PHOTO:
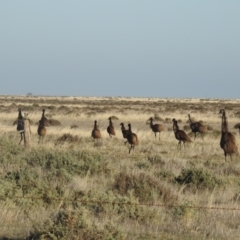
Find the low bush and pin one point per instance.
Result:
(67, 137)
(54, 122)
(143, 187)
(75, 223)
(198, 179)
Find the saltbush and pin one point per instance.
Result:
(144, 188)
(198, 179)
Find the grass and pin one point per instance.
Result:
(69, 188)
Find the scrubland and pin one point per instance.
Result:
(72, 188)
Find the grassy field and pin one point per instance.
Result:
(70, 188)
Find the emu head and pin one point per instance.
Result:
(222, 111)
(20, 114)
(175, 124)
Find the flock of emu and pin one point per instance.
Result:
(227, 141)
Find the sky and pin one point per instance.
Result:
(136, 48)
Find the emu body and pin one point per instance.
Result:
(96, 133)
(156, 128)
(42, 124)
(228, 140)
(197, 127)
(44, 120)
(110, 128)
(42, 131)
(180, 135)
(125, 131)
(20, 125)
(132, 138)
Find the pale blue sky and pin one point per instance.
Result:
(120, 48)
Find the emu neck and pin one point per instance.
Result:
(175, 127)
(130, 129)
(20, 115)
(224, 124)
(151, 122)
(110, 122)
(190, 121)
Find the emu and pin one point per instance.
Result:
(228, 140)
(132, 138)
(110, 128)
(44, 120)
(42, 131)
(125, 131)
(156, 127)
(96, 133)
(20, 125)
(42, 124)
(197, 127)
(180, 135)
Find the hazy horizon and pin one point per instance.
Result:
(163, 49)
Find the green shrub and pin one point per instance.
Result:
(35, 105)
(74, 224)
(110, 203)
(216, 133)
(184, 210)
(157, 117)
(79, 163)
(156, 160)
(144, 187)
(168, 120)
(73, 126)
(197, 179)
(142, 165)
(54, 122)
(67, 137)
(166, 175)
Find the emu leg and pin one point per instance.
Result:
(21, 134)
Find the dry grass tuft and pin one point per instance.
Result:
(114, 118)
(73, 126)
(54, 122)
(67, 137)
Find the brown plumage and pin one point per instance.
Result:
(110, 128)
(132, 138)
(42, 131)
(96, 133)
(180, 135)
(197, 127)
(20, 125)
(42, 124)
(156, 128)
(44, 120)
(125, 131)
(228, 140)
